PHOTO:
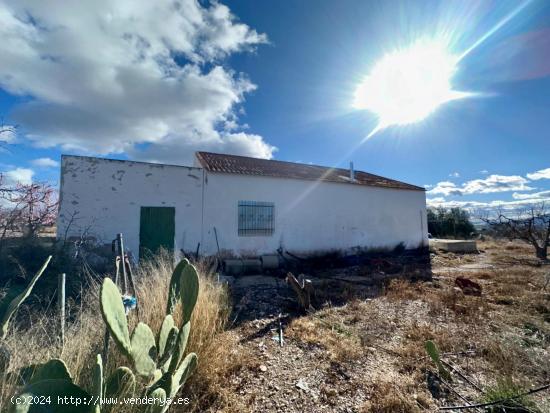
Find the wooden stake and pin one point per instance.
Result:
(61, 304)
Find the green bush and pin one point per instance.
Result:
(453, 222)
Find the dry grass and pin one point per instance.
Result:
(389, 397)
(84, 337)
(368, 354)
(331, 330)
(503, 333)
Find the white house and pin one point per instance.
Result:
(245, 206)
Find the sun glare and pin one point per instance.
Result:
(407, 85)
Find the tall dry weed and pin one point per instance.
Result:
(39, 342)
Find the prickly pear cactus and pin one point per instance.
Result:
(114, 315)
(189, 291)
(53, 390)
(433, 352)
(10, 304)
(179, 349)
(97, 390)
(159, 395)
(165, 328)
(52, 380)
(54, 369)
(161, 360)
(170, 345)
(184, 371)
(144, 350)
(121, 383)
(175, 286)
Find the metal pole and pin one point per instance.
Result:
(61, 304)
(120, 243)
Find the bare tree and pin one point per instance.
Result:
(531, 225)
(38, 205)
(26, 208)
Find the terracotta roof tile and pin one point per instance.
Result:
(232, 164)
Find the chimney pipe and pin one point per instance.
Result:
(351, 172)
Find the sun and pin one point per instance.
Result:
(406, 86)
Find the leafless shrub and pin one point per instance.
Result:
(25, 208)
(531, 225)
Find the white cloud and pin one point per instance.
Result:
(45, 163)
(491, 184)
(542, 174)
(141, 77)
(454, 175)
(496, 183)
(484, 171)
(486, 206)
(445, 188)
(435, 201)
(175, 151)
(535, 196)
(19, 176)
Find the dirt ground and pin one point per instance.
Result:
(362, 349)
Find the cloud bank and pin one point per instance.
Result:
(491, 184)
(542, 174)
(19, 176)
(141, 77)
(45, 163)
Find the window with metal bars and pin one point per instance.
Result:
(256, 218)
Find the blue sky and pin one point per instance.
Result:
(277, 79)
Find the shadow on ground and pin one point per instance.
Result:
(271, 297)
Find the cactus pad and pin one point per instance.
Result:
(158, 394)
(175, 286)
(52, 389)
(144, 350)
(121, 383)
(189, 291)
(187, 367)
(179, 349)
(433, 352)
(166, 355)
(113, 313)
(54, 369)
(167, 325)
(97, 382)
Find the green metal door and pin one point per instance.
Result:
(156, 230)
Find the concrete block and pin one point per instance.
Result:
(242, 266)
(454, 245)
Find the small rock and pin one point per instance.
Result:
(468, 286)
(263, 368)
(301, 384)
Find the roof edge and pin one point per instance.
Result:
(128, 160)
(206, 167)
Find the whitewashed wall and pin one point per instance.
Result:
(108, 194)
(311, 217)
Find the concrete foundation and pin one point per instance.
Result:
(453, 245)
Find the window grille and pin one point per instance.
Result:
(255, 218)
